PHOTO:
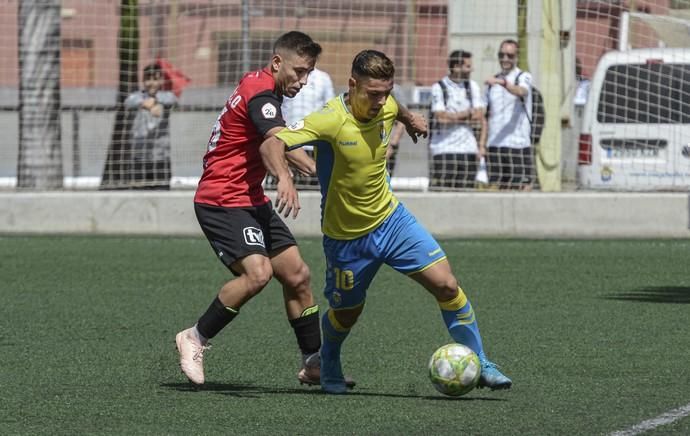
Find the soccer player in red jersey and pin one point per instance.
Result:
(238, 219)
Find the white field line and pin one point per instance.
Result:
(650, 424)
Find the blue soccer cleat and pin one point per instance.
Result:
(492, 378)
(332, 379)
(310, 373)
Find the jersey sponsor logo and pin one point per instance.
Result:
(297, 125)
(347, 143)
(253, 236)
(269, 111)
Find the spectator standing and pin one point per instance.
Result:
(456, 108)
(509, 106)
(150, 134)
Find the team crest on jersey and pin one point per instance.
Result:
(336, 299)
(385, 136)
(253, 236)
(269, 111)
(297, 125)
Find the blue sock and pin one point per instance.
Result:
(333, 336)
(462, 325)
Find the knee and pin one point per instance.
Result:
(446, 289)
(299, 278)
(259, 276)
(348, 317)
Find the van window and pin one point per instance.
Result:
(645, 94)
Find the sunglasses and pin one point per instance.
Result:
(502, 55)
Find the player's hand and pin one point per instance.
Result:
(416, 126)
(287, 199)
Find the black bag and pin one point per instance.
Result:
(434, 125)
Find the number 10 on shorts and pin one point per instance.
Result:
(344, 279)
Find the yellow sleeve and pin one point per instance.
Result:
(322, 125)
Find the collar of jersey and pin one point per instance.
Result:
(341, 97)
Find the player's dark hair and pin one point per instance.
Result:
(297, 42)
(152, 71)
(456, 57)
(373, 64)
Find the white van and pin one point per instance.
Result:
(636, 122)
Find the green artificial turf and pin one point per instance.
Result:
(594, 334)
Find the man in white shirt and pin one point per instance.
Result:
(312, 97)
(456, 109)
(509, 106)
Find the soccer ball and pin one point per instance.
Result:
(454, 369)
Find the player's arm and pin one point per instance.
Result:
(273, 155)
(396, 136)
(415, 123)
(299, 159)
(264, 111)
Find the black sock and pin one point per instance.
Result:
(308, 330)
(215, 318)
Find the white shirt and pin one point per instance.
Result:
(509, 124)
(454, 138)
(312, 97)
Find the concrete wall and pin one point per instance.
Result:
(515, 215)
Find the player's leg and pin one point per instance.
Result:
(460, 319)
(410, 249)
(245, 255)
(302, 313)
(293, 274)
(351, 265)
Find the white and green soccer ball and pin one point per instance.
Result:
(454, 369)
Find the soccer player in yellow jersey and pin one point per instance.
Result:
(363, 223)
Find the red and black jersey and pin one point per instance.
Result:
(233, 169)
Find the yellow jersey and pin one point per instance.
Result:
(351, 166)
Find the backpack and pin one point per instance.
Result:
(433, 123)
(538, 117)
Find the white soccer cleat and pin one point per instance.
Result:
(191, 355)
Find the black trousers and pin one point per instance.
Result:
(453, 170)
(510, 168)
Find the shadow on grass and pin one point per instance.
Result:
(654, 294)
(253, 391)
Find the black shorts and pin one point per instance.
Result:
(237, 232)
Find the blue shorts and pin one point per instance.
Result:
(400, 242)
